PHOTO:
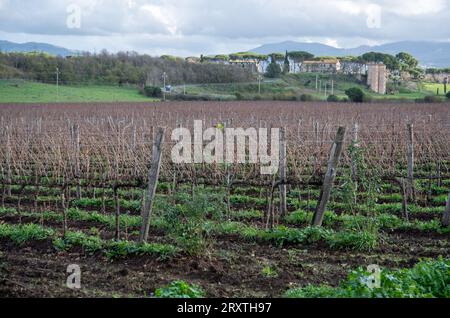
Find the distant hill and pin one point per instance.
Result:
(6, 46)
(430, 54)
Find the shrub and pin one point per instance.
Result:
(185, 219)
(180, 289)
(152, 91)
(430, 99)
(287, 96)
(239, 96)
(355, 94)
(202, 97)
(306, 98)
(448, 95)
(333, 99)
(367, 98)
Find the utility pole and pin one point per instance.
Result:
(317, 82)
(57, 83)
(260, 78)
(164, 88)
(332, 87)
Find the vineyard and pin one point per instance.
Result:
(95, 185)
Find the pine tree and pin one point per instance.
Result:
(286, 66)
(274, 69)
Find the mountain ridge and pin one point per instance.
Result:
(429, 54)
(28, 47)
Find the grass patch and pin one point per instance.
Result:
(180, 289)
(21, 234)
(31, 92)
(428, 279)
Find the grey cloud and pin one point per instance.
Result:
(208, 24)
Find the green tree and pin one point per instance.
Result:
(274, 69)
(391, 62)
(286, 65)
(355, 94)
(152, 91)
(333, 99)
(300, 56)
(116, 69)
(407, 61)
(279, 57)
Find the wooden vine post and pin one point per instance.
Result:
(446, 216)
(438, 173)
(117, 212)
(401, 182)
(330, 176)
(8, 161)
(353, 159)
(410, 154)
(65, 207)
(270, 215)
(283, 173)
(228, 178)
(75, 136)
(152, 184)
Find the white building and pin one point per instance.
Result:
(321, 66)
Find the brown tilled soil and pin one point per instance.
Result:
(230, 268)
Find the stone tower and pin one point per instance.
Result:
(377, 77)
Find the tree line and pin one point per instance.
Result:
(402, 62)
(143, 70)
(117, 69)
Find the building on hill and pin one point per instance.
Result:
(321, 66)
(193, 60)
(217, 59)
(377, 77)
(254, 65)
(353, 68)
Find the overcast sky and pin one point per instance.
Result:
(193, 27)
